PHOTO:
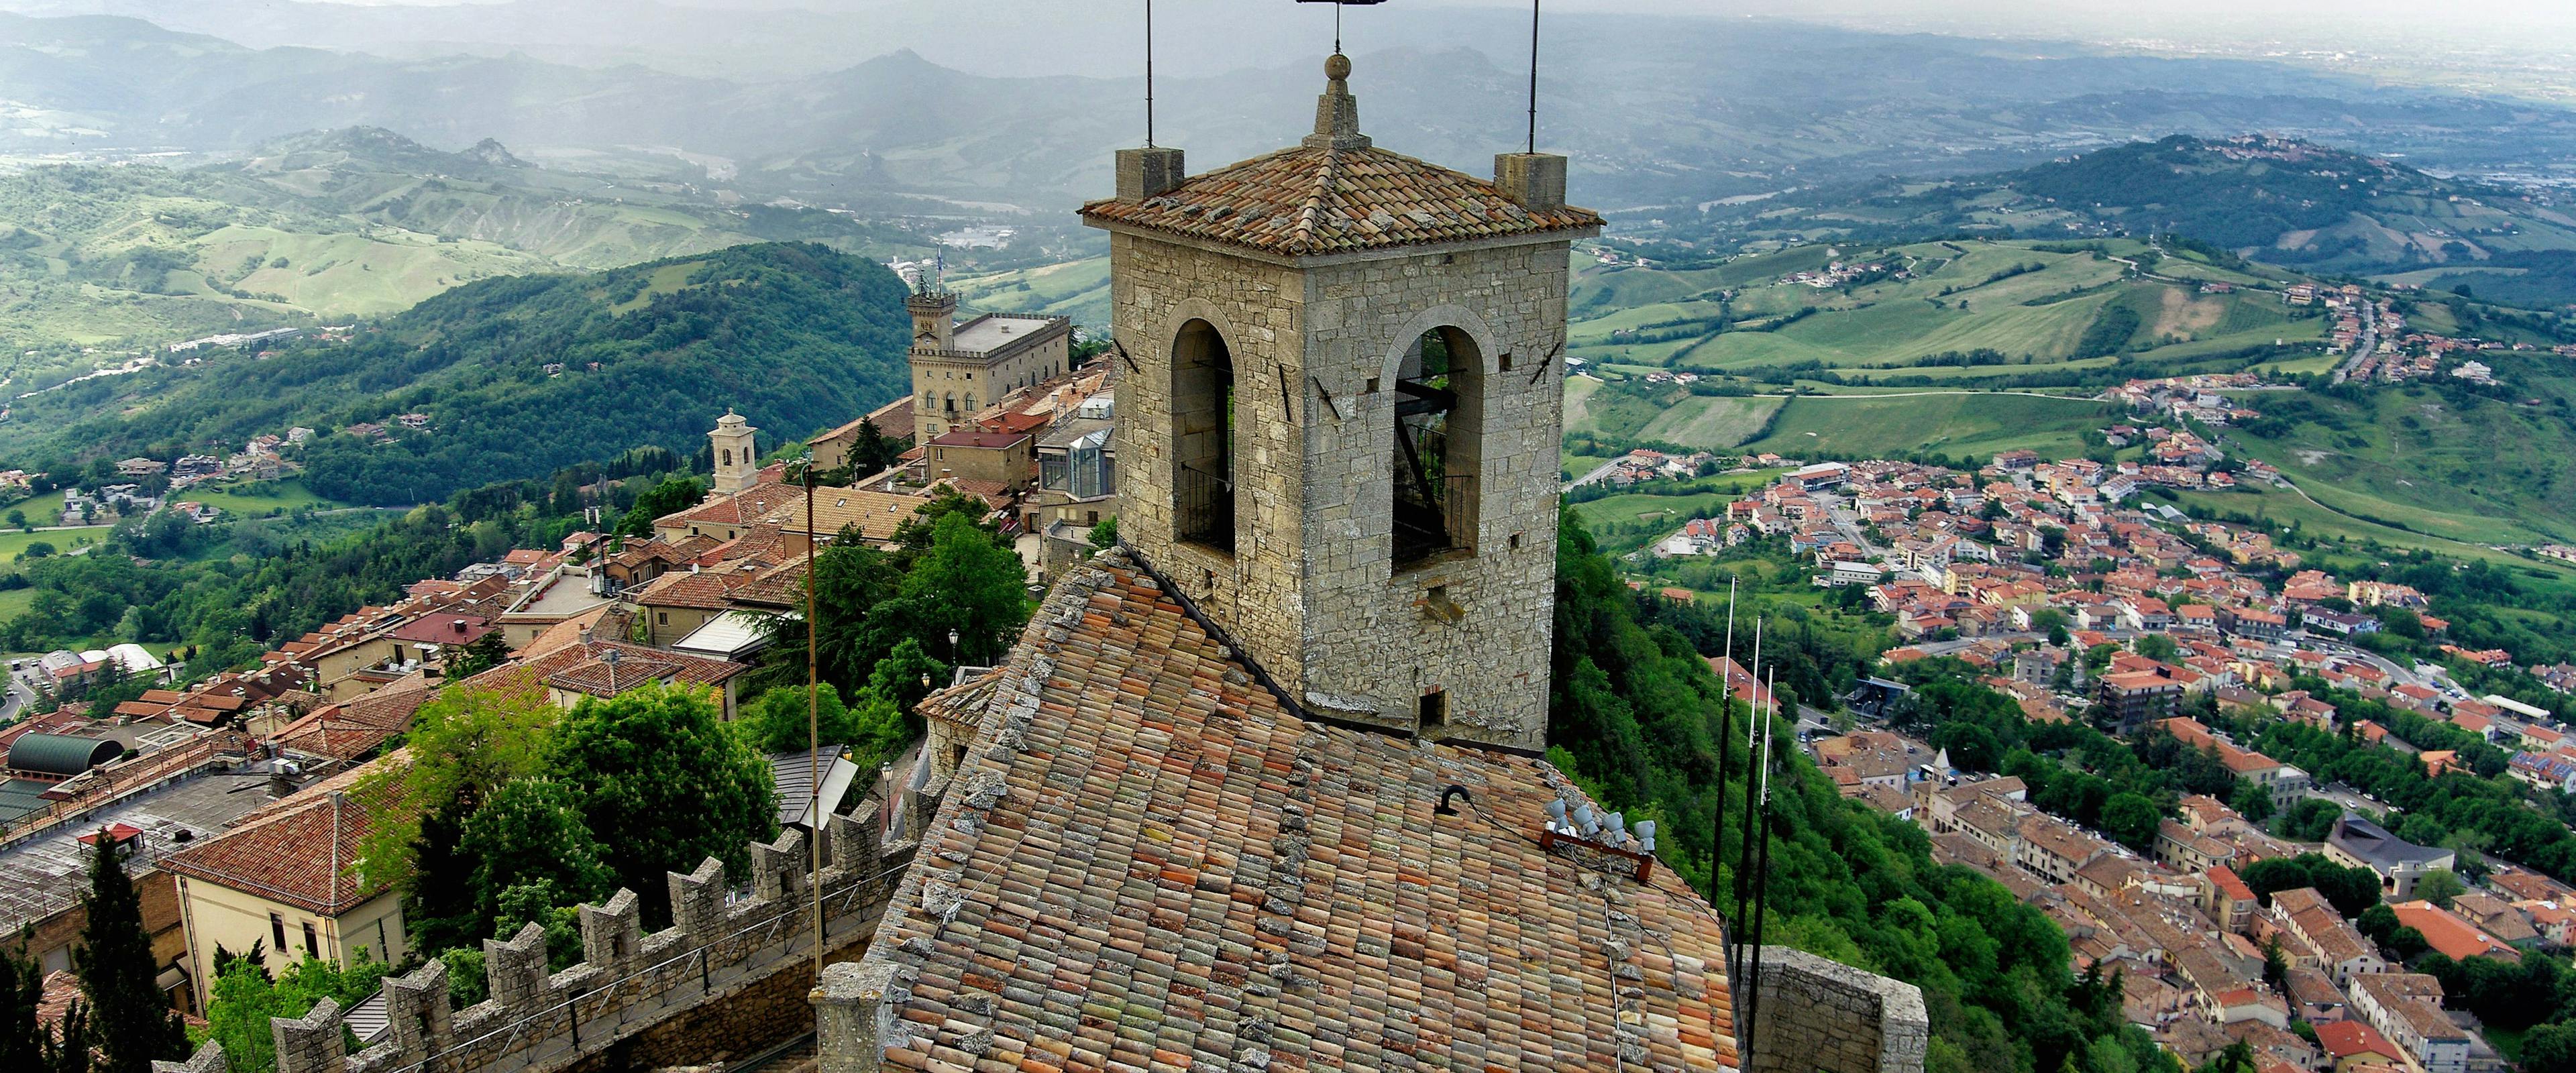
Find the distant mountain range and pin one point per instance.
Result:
(521, 376)
(356, 222)
(1655, 110)
(2287, 202)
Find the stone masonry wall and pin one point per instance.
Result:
(718, 970)
(1820, 1016)
(1311, 591)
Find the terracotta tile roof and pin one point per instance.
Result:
(1146, 837)
(353, 728)
(565, 667)
(741, 508)
(1336, 193)
(1313, 200)
(285, 852)
(876, 514)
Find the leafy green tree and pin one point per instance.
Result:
(117, 972)
(464, 747)
(243, 1000)
(901, 676)
(775, 721)
(2158, 647)
(972, 585)
(2550, 1048)
(670, 496)
(2130, 819)
(483, 654)
(2439, 886)
(2238, 1057)
(531, 833)
(663, 781)
(1104, 536)
(2406, 942)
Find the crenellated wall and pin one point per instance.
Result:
(628, 981)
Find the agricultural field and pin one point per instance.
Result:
(1076, 289)
(2024, 305)
(1959, 424)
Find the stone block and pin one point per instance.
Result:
(851, 1016)
(1149, 172)
(612, 936)
(697, 901)
(417, 1008)
(311, 1043)
(516, 970)
(779, 868)
(207, 1059)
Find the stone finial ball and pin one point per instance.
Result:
(1337, 67)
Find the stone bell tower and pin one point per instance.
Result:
(1338, 422)
(737, 459)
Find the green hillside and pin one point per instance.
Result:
(795, 336)
(326, 226)
(2017, 312)
(2279, 201)
(2440, 459)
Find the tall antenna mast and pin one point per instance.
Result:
(813, 723)
(1762, 886)
(1725, 739)
(1533, 100)
(1149, 74)
(1744, 843)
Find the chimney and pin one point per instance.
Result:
(1148, 172)
(1535, 180)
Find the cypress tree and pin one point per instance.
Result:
(133, 1022)
(21, 984)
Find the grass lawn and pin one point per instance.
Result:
(251, 499)
(13, 545)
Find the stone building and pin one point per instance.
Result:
(958, 369)
(1339, 432)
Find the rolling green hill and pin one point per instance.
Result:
(349, 223)
(2275, 200)
(795, 336)
(1995, 313)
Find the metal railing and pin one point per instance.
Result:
(1446, 522)
(1203, 505)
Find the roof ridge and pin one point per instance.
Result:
(1311, 212)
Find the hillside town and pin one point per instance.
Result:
(2060, 586)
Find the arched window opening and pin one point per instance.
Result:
(1439, 406)
(728, 456)
(1203, 437)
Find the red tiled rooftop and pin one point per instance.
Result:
(1138, 792)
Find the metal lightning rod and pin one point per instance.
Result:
(1533, 100)
(1149, 76)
